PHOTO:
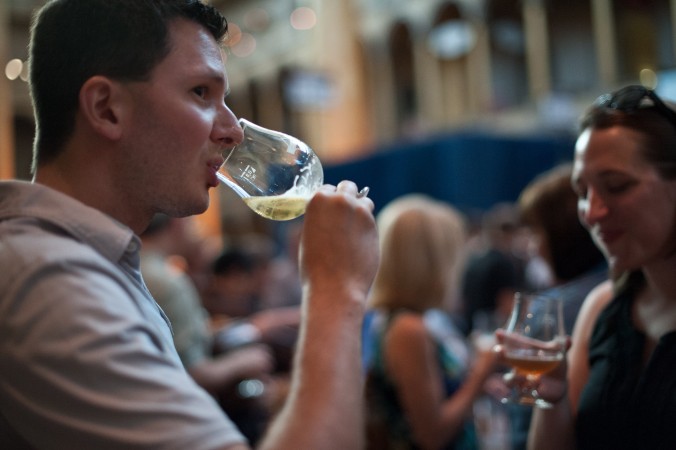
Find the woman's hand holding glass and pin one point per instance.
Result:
(534, 344)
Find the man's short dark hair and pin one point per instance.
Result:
(73, 40)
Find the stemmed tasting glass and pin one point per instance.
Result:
(274, 173)
(534, 344)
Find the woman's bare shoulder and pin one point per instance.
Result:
(578, 365)
(408, 324)
(596, 300)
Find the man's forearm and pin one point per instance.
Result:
(324, 407)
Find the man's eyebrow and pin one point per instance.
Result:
(216, 77)
(208, 72)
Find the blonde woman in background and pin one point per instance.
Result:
(421, 383)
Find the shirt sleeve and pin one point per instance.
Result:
(81, 366)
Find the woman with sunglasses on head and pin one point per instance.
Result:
(620, 388)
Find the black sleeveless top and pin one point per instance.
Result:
(625, 405)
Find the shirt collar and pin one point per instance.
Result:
(21, 199)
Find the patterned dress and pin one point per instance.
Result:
(388, 427)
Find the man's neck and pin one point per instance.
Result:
(92, 188)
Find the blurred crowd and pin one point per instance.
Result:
(235, 309)
(125, 327)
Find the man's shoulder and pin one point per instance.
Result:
(40, 222)
(33, 251)
(26, 241)
(36, 260)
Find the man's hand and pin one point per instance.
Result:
(339, 245)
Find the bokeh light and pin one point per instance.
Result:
(14, 68)
(234, 35)
(257, 19)
(245, 46)
(648, 78)
(303, 18)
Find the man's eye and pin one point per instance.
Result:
(201, 91)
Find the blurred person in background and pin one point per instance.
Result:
(233, 303)
(494, 271)
(219, 373)
(560, 239)
(421, 381)
(619, 389)
(236, 277)
(283, 282)
(131, 121)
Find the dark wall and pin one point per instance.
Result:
(470, 170)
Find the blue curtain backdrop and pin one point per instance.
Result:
(472, 171)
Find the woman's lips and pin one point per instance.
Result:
(608, 237)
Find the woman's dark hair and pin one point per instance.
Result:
(549, 204)
(73, 40)
(657, 133)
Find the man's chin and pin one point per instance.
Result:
(188, 210)
(198, 210)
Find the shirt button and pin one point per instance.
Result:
(132, 247)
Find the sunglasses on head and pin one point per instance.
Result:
(632, 98)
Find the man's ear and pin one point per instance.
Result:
(102, 106)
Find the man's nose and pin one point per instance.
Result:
(227, 131)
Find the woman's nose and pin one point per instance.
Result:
(592, 208)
